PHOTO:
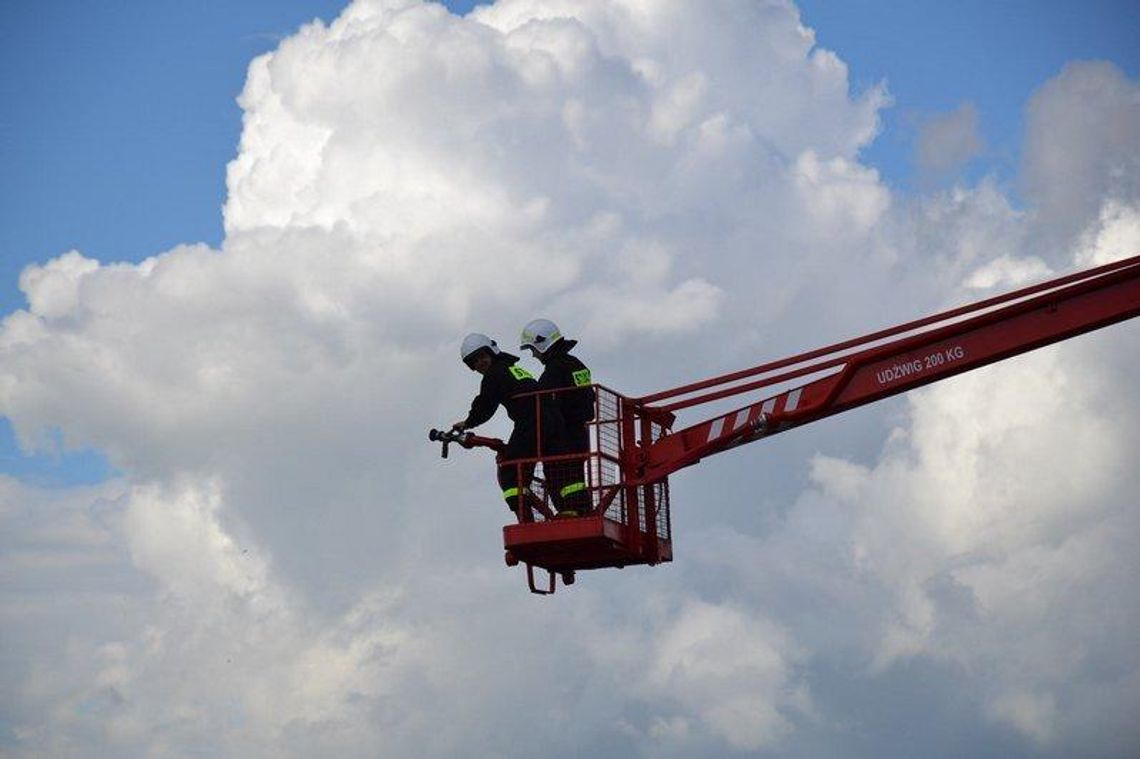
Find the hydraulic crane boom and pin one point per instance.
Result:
(634, 447)
(867, 369)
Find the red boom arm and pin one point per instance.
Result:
(866, 369)
(632, 452)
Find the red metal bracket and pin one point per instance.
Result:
(533, 588)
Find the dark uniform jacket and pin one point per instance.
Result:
(568, 375)
(501, 385)
(507, 384)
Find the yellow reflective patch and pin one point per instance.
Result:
(574, 487)
(582, 377)
(519, 373)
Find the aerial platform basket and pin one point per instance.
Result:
(625, 522)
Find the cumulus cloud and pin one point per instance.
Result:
(1082, 130)
(1003, 574)
(286, 567)
(1115, 234)
(731, 670)
(948, 141)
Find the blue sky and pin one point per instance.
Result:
(937, 55)
(121, 117)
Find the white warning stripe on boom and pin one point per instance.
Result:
(723, 424)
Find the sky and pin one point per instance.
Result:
(241, 244)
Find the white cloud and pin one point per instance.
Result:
(1115, 235)
(51, 290)
(1033, 715)
(286, 567)
(1009, 273)
(731, 670)
(1081, 147)
(948, 141)
(991, 516)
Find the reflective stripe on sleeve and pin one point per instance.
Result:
(573, 487)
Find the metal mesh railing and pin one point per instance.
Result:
(602, 468)
(605, 474)
(604, 471)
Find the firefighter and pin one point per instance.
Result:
(564, 373)
(504, 381)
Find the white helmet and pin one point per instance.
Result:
(476, 342)
(540, 334)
